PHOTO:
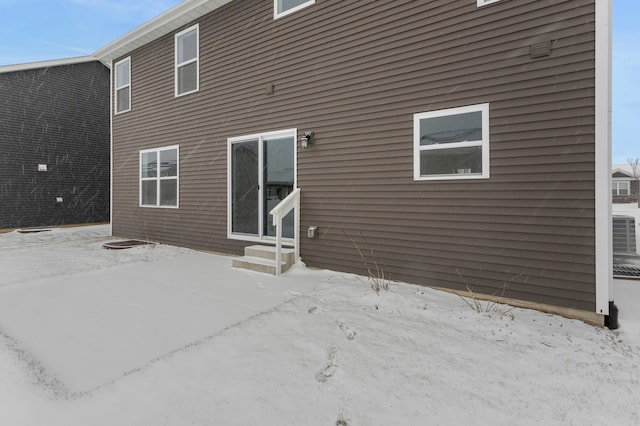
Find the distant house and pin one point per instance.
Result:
(54, 143)
(626, 220)
(455, 141)
(624, 186)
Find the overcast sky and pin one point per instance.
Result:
(38, 30)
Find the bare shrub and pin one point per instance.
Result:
(492, 305)
(375, 272)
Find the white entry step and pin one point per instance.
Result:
(263, 259)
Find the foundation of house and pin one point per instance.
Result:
(585, 316)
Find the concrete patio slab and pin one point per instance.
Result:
(114, 321)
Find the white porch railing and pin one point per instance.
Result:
(292, 201)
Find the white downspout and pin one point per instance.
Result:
(604, 250)
(111, 149)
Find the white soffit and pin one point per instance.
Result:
(169, 21)
(46, 64)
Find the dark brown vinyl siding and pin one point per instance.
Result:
(355, 72)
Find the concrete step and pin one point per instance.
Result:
(259, 264)
(269, 252)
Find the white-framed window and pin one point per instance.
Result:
(285, 7)
(123, 85)
(486, 2)
(159, 177)
(451, 143)
(187, 48)
(620, 187)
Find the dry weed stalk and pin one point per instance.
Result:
(491, 305)
(376, 275)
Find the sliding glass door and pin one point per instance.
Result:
(261, 174)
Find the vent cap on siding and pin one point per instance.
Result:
(540, 49)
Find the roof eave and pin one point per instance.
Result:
(169, 21)
(623, 171)
(46, 64)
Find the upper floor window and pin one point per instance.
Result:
(187, 61)
(159, 174)
(123, 85)
(485, 2)
(451, 143)
(284, 7)
(620, 187)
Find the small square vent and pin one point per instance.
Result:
(540, 49)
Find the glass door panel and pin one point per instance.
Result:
(245, 187)
(278, 180)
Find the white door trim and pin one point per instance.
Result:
(261, 238)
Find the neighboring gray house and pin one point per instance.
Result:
(624, 186)
(449, 138)
(54, 143)
(626, 221)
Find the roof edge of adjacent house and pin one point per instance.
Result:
(159, 26)
(46, 64)
(622, 168)
(624, 172)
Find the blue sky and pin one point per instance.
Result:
(626, 87)
(38, 30)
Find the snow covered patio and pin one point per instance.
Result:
(116, 320)
(159, 335)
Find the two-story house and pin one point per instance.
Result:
(464, 138)
(626, 221)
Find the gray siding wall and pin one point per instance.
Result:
(58, 116)
(355, 72)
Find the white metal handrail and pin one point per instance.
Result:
(292, 201)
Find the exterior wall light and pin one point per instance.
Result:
(306, 139)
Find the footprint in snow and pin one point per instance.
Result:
(349, 332)
(331, 366)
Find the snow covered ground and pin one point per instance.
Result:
(158, 335)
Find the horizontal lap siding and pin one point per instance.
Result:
(57, 116)
(355, 73)
(533, 218)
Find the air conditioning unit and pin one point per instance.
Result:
(624, 235)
